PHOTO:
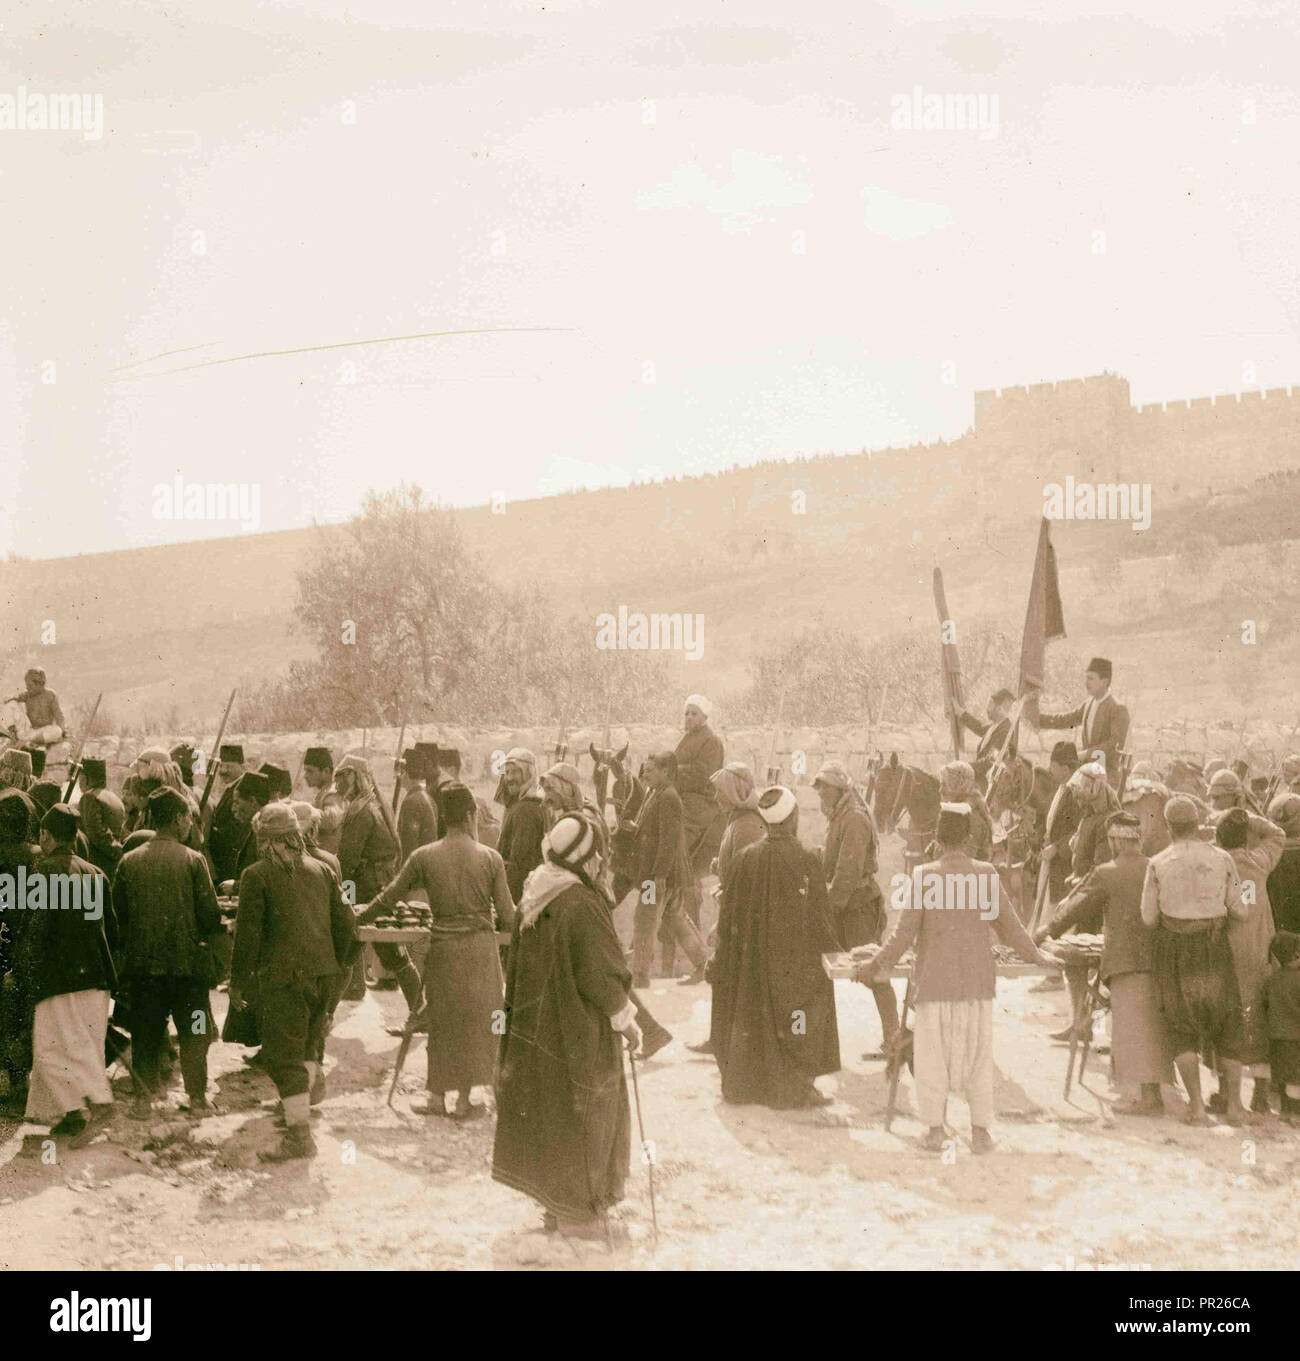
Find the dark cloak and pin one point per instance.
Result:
(563, 1125)
(771, 937)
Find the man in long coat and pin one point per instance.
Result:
(524, 824)
(779, 1032)
(563, 1123)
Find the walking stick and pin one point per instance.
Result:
(647, 1148)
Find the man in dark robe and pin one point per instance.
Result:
(780, 1030)
(699, 757)
(524, 824)
(563, 1124)
(224, 835)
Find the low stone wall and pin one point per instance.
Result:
(799, 752)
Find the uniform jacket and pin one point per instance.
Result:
(417, 821)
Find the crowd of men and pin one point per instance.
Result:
(247, 888)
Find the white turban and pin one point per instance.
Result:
(700, 703)
(775, 804)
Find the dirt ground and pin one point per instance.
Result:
(736, 1186)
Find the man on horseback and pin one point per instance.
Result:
(992, 734)
(699, 756)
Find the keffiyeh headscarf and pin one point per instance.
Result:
(956, 780)
(735, 785)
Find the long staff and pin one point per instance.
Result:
(647, 1148)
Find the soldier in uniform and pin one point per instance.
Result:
(224, 837)
(417, 818)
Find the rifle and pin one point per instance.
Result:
(1277, 779)
(561, 742)
(951, 667)
(74, 766)
(216, 752)
(1013, 728)
(399, 768)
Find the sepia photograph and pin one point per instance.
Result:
(650, 638)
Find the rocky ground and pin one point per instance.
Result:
(736, 1186)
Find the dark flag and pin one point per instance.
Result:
(951, 667)
(1043, 620)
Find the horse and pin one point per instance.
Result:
(906, 789)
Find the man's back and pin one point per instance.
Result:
(1191, 879)
(166, 903)
(286, 923)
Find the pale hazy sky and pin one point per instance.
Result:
(505, 170)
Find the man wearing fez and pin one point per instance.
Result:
(318, 775)
(93, 775)
(278, 780)
(1101, 721)
(167, 912)
(224, 837)
(252, 794)
(183, 755)
(72, 976)
(16, 769)
(417, 818)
